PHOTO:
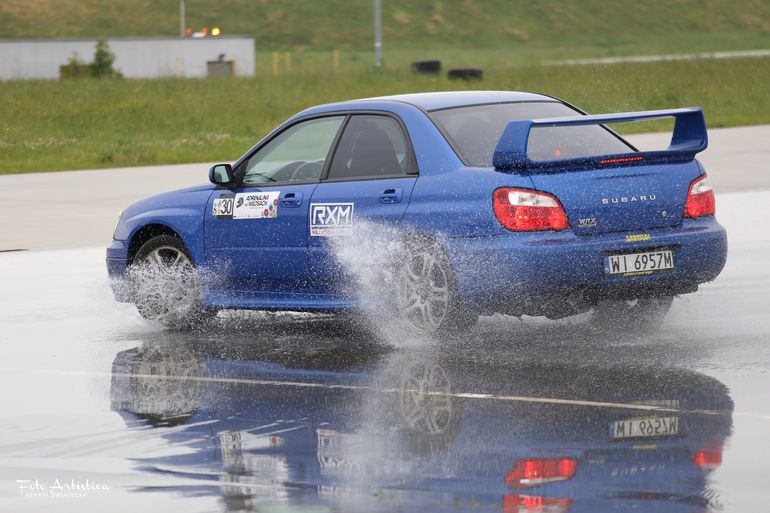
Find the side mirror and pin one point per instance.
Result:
(221, 174)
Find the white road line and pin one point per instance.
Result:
(659, 58)
(302, 384)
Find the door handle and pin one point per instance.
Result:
(291, 199)
(392, 195)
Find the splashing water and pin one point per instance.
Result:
(170, 295)
(371, 264)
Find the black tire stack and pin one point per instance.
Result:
(466, 74)
(432, 67)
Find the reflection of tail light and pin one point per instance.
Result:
(532, 504)
(535, 472)
(709, 458)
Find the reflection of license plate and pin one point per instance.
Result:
(633, 264)
(644, 428)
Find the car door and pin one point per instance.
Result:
(368, 184)
(256, 233)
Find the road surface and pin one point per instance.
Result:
(277, 412)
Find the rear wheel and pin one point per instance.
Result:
(426, 295)
(631, 314)
(165, 284)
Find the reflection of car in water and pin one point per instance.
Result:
(322, 424)
(139, 373)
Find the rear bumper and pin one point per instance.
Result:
(518, 271)
(117, 270)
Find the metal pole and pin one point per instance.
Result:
(377, 33)
(181, 18)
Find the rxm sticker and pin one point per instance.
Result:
(331, 219)
(256, 205)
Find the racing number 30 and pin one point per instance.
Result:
(222, 207)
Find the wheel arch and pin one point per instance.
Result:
(422, 238)
(146, 233)
(412, 237)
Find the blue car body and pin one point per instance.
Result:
(277, 264)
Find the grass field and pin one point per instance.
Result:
(52, 125)
(619, 26)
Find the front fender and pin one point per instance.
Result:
(187, 223)
(180, 211)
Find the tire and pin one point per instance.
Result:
(427, 299)
(630, 315)
(165, 285)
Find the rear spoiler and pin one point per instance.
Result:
(689, 137)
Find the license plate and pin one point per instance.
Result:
(644, 428)
(635, 264)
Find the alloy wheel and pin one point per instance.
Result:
(423, 295)
(165, 285)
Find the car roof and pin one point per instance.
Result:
(449, 99)
(429, 101)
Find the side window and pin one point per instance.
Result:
(371, 146)
(295, 155)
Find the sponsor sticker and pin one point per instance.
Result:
(223, 206)
(256, 205)
(331, 219)
(638, 237)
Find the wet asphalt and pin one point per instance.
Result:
(102, 411)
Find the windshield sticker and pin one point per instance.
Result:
(256, 205)
(331, 219)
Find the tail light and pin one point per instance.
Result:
(700, 198)
(535, 472)
(534, 504)
(524, 210)
(709, 457)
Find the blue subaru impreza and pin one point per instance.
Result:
(504, 202)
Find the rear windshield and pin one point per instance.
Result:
(475, 130)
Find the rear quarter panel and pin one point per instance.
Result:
(459, 203)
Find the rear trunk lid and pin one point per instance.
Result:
(620, 199)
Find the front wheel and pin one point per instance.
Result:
(426, 295)
(165, 284)
(631, 314)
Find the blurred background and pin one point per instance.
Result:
(110, 83)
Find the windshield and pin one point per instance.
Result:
(474, 131)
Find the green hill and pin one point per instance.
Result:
(626, 26)
(91, 123)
